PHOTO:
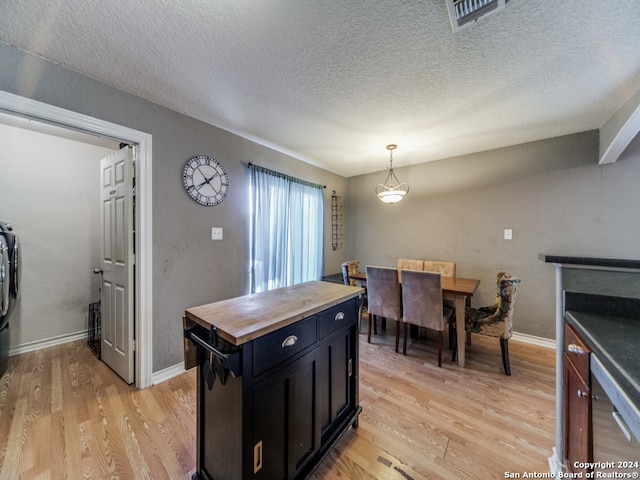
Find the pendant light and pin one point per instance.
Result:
(391, 191)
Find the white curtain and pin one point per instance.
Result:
(286, 230)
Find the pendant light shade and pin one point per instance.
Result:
(391, 191)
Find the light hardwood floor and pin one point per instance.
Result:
(65, 415)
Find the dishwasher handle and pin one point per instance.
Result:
(626, 431)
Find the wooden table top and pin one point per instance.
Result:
(242, 319)
(454, 285)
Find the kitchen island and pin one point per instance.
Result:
(277, 379)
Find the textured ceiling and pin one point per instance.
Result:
(332, 83)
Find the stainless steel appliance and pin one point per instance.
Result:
(616, 424)
(9, 286)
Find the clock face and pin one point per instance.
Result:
(205, 180)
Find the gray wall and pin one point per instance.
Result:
(188, 267)
(552, 193)
(49, 192)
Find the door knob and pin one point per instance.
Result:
(97, 270)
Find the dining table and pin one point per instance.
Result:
(456, 289)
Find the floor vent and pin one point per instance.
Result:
(464, 13)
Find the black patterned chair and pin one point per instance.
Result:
(349, 268)
(496, 320)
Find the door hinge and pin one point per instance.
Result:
(133, 345)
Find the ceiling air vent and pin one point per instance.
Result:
(464, 13)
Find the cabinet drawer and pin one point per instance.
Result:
(576, 351)
(335, 318)
(277, 346)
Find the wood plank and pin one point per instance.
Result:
(64, 414)
(242, 319)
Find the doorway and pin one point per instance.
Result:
(24, 107)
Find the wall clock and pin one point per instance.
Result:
(205, 180)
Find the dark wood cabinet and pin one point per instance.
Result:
(296, 394)
(284, 420)
(578, 448)
(338, 379)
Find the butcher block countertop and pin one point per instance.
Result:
(242, 319)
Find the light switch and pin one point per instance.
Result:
(508, 234)
(216, 233)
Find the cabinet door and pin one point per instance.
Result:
(284, 420)
(577, 418)
(336, 397)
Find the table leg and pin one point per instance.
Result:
(460, 330)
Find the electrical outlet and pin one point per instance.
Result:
(216, 233)
(508, 234)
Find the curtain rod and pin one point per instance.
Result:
(284, 175)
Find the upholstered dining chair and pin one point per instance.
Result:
(350, 268)
(408, 264)
(383, 292)
(422, 304)
(496, 320)
(448, 269)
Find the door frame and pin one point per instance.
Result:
(22, 106)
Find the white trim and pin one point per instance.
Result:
(144, 268)
(555, 465)
(618, 132)
(48, 342)
(167, 373)
(533, 340)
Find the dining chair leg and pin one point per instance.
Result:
(440, 348)
(504, 346)
(404, 345)
(369, 333)
(375, 324)
(454, 352)
(451, 335)
(397, 335)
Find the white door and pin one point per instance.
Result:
(117, 205)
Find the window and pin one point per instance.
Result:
(286, 230)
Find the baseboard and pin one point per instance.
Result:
(533, 340)
(167, 373)
(156, 377)
(555, 465)
(49, 342)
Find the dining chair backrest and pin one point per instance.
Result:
(383, 292)
(422, 299)
(350, 268)
(448, 269)
(507, 289)
(408, 264)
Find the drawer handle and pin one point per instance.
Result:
(290, 341)
(339, 316)
(577, 349)
(257, 457)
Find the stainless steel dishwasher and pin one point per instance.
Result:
(616, 425)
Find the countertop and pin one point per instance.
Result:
(242, 319)
(590, 261)
(615, 341)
